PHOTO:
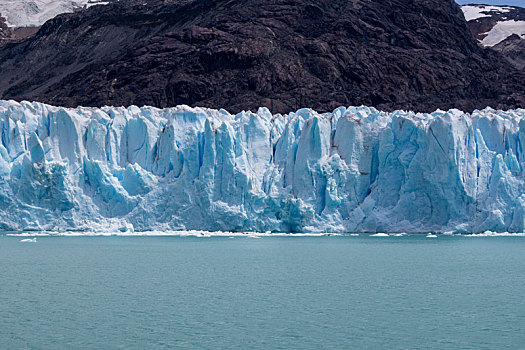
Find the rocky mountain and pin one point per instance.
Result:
(5, 31)
(514, 50)
(242, 54)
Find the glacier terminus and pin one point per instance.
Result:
(356, 169)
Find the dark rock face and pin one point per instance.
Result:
(513, 48)
(242, 54)
(5, 31)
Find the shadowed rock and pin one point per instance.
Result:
(5, 32)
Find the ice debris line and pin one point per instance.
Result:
(353, 170)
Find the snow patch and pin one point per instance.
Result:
(34, 13)
(473, 12)
(502, 30)
(90, 4)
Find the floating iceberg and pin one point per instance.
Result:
(353, 170)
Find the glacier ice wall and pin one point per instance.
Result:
(353, 170)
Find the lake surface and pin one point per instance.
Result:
(449, 292)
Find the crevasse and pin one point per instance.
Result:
(353, 170)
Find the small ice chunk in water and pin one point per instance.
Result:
(400, 234)
(379, 234)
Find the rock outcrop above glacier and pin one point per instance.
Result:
(243, 54)
(356, 169)
(5, 31)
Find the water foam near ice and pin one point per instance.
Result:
(354, 170)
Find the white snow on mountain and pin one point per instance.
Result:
(502, 30)
(473, 12)
(34, 13)
(353, 170)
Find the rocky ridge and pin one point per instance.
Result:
(5, 31)
(514, 50)
(243, 54)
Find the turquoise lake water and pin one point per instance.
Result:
(345, 292)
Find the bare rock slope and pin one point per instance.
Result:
(242, 54)
(5, 31)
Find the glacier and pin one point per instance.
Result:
(356, 169)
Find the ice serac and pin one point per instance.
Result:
(353, 170)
